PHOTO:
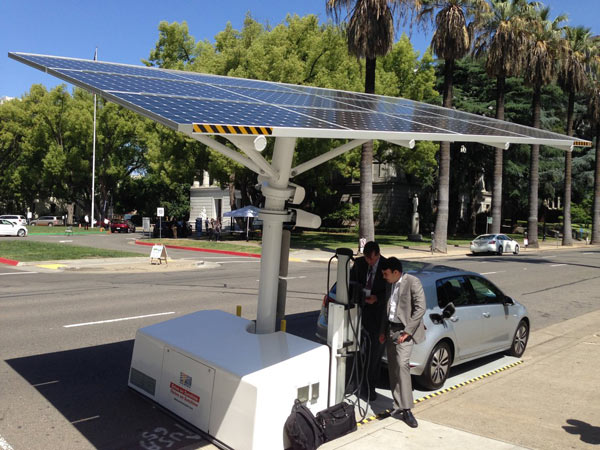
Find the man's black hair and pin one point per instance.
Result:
(371, 247)
(392, 263)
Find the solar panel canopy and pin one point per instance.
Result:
(210, 104)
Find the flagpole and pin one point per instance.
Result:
(94, 154)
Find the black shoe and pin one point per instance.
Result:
(409, 419)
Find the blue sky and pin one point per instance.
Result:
(126, 30)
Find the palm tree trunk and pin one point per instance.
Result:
(366, 223)
(498, 161)
(534, 176)
(596, 212)
(567, 231)
(441, 222)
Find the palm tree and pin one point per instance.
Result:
(594, 113)
(501, 39)
(451, 41)
(543, 49)
(573, 78)
(370, 34)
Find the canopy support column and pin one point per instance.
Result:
(276, 192)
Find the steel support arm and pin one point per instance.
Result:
(301, 168)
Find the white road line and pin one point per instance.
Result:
(117, 320)
(237, 260)
(4, 445)
(589, 253)
(46, 383)
(16, 273)
(551, 256)
(86, 419)
(557, 265)
(490, 273)
(292, 278)
(65, 241)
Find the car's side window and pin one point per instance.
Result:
(452, 290)
(485, 292)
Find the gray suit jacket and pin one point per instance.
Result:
(410, 308)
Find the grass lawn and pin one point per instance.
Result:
(22, 250)
(60, 230)
(230, 246)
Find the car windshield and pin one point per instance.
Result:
(485, 237)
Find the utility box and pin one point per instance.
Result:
(210, 369)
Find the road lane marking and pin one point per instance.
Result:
(51, 266)
(16, 273)
(85, 420)
(589, 253)
(490, 273)
(117, 320)
(4, 445)
(46, 383)
(557, 265)
(292, 278)
(65, 241)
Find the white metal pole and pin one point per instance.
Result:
(273, 215)
(94, 154)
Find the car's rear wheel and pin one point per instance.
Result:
(438, 365)
(520, 340)
(516, 251)
(500, 250)
(21, 233)
(49, 224)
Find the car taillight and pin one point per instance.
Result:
(492, 242)
(326, 300)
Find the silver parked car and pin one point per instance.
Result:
(8, 228)
(494, 243)
(467, 317)
(49, 221)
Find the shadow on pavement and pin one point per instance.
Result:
(88, 386)
(589, 433)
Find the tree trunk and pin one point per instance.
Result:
(567, 230)
(498, 162)
(596, 211)
(534, 176)
(366, 223)
(441, 222)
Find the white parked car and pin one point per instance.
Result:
(494, 243)
(14, 218)
(8, 228)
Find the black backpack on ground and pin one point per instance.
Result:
(302, 428)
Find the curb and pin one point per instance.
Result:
(10, 262)
(207, 250)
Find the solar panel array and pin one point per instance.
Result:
(227, 105)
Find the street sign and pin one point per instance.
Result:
(160, 212)
(489, 220)
(158, 252)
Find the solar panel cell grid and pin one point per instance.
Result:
(179, 98)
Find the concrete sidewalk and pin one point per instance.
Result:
(551, 401)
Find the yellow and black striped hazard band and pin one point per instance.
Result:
(582, 144)
(230, 129)
(388, 412)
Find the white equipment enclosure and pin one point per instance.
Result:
(211, 368)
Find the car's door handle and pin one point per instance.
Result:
(487, 315)
(454, 319)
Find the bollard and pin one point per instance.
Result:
(238, 310)
(283, 325)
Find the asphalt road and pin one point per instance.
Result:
(66, 338)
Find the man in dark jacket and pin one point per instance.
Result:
(367, 272)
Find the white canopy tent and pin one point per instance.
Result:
(247, 211)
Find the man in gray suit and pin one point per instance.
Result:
(401, 328)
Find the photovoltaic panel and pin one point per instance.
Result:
(218, 104)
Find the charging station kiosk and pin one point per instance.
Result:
(212, 370)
